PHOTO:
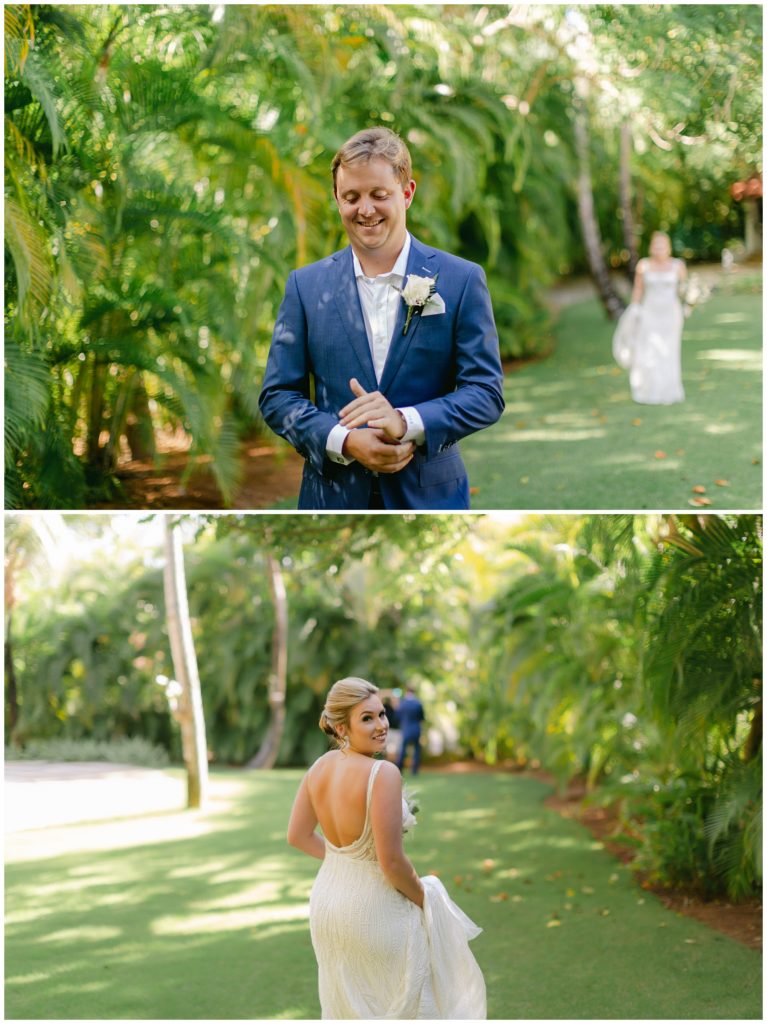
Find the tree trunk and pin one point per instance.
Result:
(189, 713)
(753, 742)
(139, 429)
(96, 413)
(589, 226)
(267, 754)
(11, 687)
(629, 231)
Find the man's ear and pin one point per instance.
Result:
(409, 191)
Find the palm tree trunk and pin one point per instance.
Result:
(139, 429)
(629, 231)
(189, 712)
(270, 747)
(753, 742)
(96, 412)
(589, 226)
(11, 687)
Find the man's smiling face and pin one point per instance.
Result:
(373, 203)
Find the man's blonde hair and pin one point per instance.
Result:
(373, 142)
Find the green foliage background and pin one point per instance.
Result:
(166, 167)
(625, 650)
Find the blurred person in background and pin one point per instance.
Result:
(410, 712)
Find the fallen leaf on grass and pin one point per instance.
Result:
(520, 424)
(691, 942)
(699, 489)
(587, 890)
(517, 899)
(722, 483)
(554, 923)
(488, 864)
(604, 912)
(700, 501)
(500, 897)
(640, 901)
(570, 893)
(755, 462)
(636, 423)
(458, 879)
(474, 490)
(524, 479)
(614, 878)
(661, 455)
(568, 906)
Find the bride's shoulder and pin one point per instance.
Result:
(389, 771)
(322, 762)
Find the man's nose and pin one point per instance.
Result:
(367, 206)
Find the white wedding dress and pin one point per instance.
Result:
(379, 956)
(648, 340)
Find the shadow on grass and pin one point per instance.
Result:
(215, 924)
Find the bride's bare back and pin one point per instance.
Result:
(337, 785)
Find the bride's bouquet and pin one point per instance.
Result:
(411, 800)
(692, 293)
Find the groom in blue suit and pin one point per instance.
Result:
(385, 354)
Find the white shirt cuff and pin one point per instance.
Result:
(416, 431)
(334, 446)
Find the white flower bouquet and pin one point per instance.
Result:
(692, 293)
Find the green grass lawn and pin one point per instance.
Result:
(571, 437)
(204, 915)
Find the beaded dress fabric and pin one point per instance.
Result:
(380, 956)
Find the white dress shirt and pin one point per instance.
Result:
(380, 300)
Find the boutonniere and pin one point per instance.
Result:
(416, 293)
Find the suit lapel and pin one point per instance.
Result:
(421, 261)
(348, 302)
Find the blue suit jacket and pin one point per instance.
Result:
(447, 366)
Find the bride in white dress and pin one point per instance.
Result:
(388, 944)
(648, 339)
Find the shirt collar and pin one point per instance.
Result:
(400, 265)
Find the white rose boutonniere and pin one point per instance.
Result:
(416, 293)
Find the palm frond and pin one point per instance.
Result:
(31, 261)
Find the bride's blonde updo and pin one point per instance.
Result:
(343, 696)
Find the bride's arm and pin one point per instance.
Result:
(638, 292)
(302, 825)
(386, 819)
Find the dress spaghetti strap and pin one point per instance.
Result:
(371, 780)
